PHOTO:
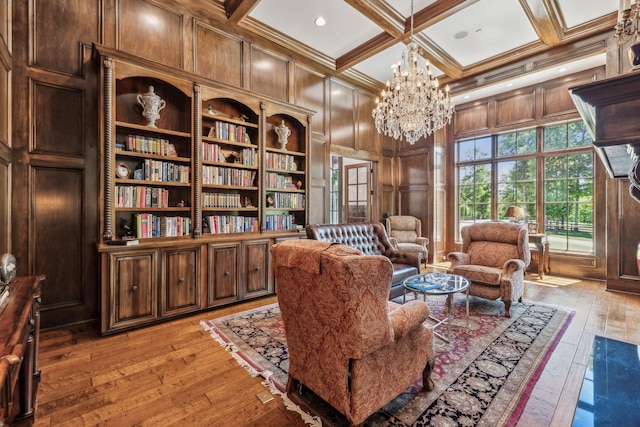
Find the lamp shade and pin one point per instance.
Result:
(514, 212)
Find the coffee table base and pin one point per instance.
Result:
(447, 319)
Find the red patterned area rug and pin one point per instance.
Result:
(483, 377)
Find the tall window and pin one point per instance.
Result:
(334, 191)
(497, 171)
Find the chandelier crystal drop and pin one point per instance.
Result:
(412, 104)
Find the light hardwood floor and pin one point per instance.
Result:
(174, 374)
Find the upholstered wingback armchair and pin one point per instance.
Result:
(347, 343)
(494, 257)
(405, 234)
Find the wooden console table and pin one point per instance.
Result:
(542, 244)
(19, 337)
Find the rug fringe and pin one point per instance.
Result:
(288, 403)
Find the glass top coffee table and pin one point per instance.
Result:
(438, 284)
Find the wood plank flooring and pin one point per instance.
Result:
(174, 374)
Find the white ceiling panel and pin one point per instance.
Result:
(576, 12)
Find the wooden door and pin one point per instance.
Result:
(357, 193)
(132, 299)
(180, 281)
(256, 269)
(223, 273)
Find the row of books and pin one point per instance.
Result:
(148, 145)
(275, 180)
(280, 161)
(218, 175)
(223, 224)
(279, 222)
(148, 225)
(130, 196)
(157, 170)
(228, 132)
(288, 200)
(221, 200)
(213, 152)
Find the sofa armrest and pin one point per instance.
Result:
(422, 241)
(458, 258)
(394, 242)
(511, 266)
(408, 316)
(408, 258)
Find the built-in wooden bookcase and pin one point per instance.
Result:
(204, 191)
(152, 191)
(285, 177)
(230, 167)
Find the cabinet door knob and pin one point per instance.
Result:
(181, 280)
(257, 268)
(226, 273)
(134, 288)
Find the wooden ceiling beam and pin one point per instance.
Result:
(545, 20)
(380, 14)
(237, 10)
(366, 50)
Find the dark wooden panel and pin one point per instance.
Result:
(515, 109)
(181, 281)
(72, 22)
(414, 170)
(5, 105)
(366, 130)
(151, 31)
(629, 234)
(5, 19)
(5, 207)
(318, 158)
(223, 273)
(218, 56)
(310, 94)
(557, 100)
(386, 171)
(58, 120)
(57, 233)
(416, 202)
(471, 119)
(256, 271)
(342, 127)
(269, 74)
(319, 207)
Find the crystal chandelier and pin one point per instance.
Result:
(412, 104)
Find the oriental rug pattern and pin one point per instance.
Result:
(484, 376)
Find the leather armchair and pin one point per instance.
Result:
(347, 343)
(405, 235)
(494, 257)
(370, 238)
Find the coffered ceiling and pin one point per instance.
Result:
(463, 39)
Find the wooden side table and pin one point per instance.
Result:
(542, 244)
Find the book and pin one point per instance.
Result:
(123, 242)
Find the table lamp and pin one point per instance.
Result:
(514, 212)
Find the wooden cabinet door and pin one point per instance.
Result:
(256, 269)
(223, 273)
(181, 288)
(132, 290)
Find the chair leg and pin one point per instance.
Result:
(293, 385)
(507, 308)
(427, 382)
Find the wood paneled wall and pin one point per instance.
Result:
(5, 125)
(55, 168)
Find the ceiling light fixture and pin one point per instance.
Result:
(412, 104)
(319, 21)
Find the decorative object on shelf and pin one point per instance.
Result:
(412, 104)
(247, 138)
(234, 157)
(125, 229)
(152, 104)
(7, 268)
(514, 212)
(270, 201)
(122, 170)
(181, 204)
(243, 117)
(533, 228)
(627, 28)
(283, 133)
(299, 185)
(213, 112)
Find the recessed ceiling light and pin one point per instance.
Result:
(319, 21)
(509, 84)
(466, 97)
(562, 70)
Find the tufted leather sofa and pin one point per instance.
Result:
(371, 239)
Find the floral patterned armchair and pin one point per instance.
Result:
(405, 234)
(494, 257)
(347, 343)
